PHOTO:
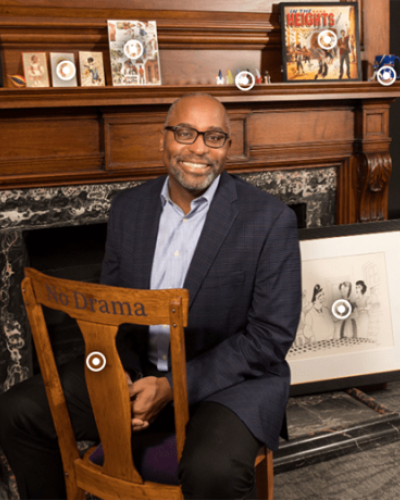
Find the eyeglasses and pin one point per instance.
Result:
(188, 135)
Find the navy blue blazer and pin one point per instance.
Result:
(245, 297)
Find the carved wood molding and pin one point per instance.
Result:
(374, 170)
(221, 36)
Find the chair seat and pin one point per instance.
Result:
(154, 454)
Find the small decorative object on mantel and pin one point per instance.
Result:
(320, 41)
(386, 69)
(17, 81)
(92, 69)
(229, 78)
(220, 78)
(134, 52)
(258, 77)
(63, 70)
(267, 78)
(35, 69)
(245, 80)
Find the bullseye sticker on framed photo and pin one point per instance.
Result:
(63, 69)
(320, 41)
(134, 52)
(349, 329)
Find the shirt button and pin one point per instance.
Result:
(176, 253)
(184, 219)
(164, 357)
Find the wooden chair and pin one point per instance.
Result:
(99, 310)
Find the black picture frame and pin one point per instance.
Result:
(383, 363)
(304, 27)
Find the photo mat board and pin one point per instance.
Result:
(358, 263)
(35, 69)
(134, 52)
(320, 41)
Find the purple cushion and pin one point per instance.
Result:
(154, 455)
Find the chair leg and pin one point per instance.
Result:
(265, 474)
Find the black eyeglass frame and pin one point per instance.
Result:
(176, 127)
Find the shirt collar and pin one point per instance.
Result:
(207, 195)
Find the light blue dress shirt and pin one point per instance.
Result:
(177, 239)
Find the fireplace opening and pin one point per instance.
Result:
(72, 252)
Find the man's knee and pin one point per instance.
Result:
(15, 408)
(214, 475)
(23, 410)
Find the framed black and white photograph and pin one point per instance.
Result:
(320, 41)
(349, 330)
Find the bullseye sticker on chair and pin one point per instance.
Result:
(96, 361)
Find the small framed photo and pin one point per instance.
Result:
(349, 331)
(35, 69)
(63, 69)
(92, 69)
(320, 41)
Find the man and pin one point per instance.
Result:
(344, 51)
(235, 248)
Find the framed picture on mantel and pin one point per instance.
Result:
(349, 330)
(320, 41)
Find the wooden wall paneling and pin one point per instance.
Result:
(299, 135)
(131, 141)
(376, 32)
(44, 143)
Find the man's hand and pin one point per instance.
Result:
(150, 395)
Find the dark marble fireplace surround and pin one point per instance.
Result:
(26, 210)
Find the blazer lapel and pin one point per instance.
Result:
(147, 227)
(220, 218)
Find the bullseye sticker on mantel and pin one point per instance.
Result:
(245, 80)
(386, 75)
(96, 361)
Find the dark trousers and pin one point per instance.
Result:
(217, 462)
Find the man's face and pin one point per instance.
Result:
(193, 167)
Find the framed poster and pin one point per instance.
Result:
(349, 331)
(134, 52)
(35, 69)
(320, 41)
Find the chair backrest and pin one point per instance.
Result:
(99, 310)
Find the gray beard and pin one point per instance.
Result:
(201, 185)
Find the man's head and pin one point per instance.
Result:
(343, 33)
(193, 167)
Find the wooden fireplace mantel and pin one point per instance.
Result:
(64, 136)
